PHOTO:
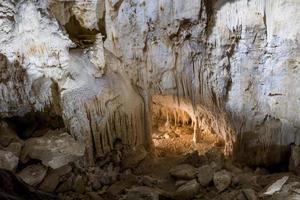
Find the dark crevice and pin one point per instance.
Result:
(82, 36)
(35, 123)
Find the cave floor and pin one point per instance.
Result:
(180, 169)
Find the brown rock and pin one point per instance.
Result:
(184, 171)
(143, 192)
(188, 190)
(8, 160)
(205, 175)
(94, 196)
(250, 194)
(118, 187)
(133, 157)
(15, 147)
(66, 185)
(149, 181)
(222, 180)
(179, 183)
(216, 158)
(53, 178)
(33, 174)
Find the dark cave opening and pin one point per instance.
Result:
(82, 36)
(35, 124)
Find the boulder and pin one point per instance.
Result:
(222, 180)
(33, 174)
(184, 171)
(54, 177)
(8, 160)
(53, 149)
(133, 157)
(205, 175)
(188, 190)
(294, 164)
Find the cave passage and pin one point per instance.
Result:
(174, 133)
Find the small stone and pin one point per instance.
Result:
(79, 185)
(184, 171)
(8, 160)
(250, 194)
(222, 180)
(188, 190)
(205, 175)
(33, 174)
(133, 157)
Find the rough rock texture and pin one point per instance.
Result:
(188, 190)
(33, 174)
(184, 171)
(205, 175)
(222, 180)
(231, 65)
(53, 149)
(8, 160)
